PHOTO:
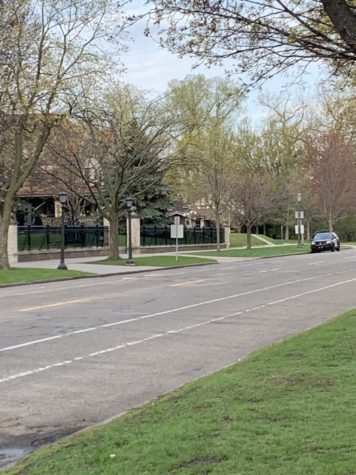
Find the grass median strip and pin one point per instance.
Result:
(286, 409)
(20, 276)
(159, 261)
(258, 251)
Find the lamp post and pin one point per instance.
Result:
(130, 209)
(63, 200)
(299, 199)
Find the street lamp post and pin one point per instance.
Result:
(63, 200)
(130, 209)
(299, 199)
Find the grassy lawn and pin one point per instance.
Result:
(239, 240)
(17, 276)
(286, 409)
(159, 261)
(258, 251)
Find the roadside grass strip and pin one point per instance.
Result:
(286, 409)
(159, 261)
(258, 251)
(20, 276)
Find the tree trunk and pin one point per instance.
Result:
(5, 218)
(248, 236)
(287, 227)
(217, 221)
(343, 18)
(114, 235)
(330, 220)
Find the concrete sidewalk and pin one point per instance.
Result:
(85, 264)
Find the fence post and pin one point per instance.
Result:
(227, 236)
(12, 246)
(83, 235)
(106, 224)
(47, 237)
(29, 237)
(97, 236)
(136, 233)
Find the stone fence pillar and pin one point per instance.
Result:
(12, 248)
(136, 233)
(106, 236)
(227, 236)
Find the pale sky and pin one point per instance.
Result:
(151, 67)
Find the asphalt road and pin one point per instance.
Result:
(76, 353)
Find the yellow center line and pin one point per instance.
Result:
(54, 305)
(188, 282)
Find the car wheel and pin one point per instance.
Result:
(338, 248)
(332, 248)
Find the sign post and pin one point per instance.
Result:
(177, 232)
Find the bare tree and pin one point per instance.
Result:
(46, 46)
(332, 175)
(213, 178)
(262, 37)
(124, 149)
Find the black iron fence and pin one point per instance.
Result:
(161, 235)
(36, 238)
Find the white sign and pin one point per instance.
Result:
(297, 230)
(177, 231)
(299, 215)
(176, 220)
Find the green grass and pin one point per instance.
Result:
(258, 251)
(287, 409)
(239, 240)
(16, 276)
(159, 261)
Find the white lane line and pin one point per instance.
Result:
(160, 335)
(130, 320)
(33, 342)
(165, 312)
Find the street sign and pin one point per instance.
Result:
(177, 231)
(299, 215)
(296, 229)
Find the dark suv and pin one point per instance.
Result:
(325, 241)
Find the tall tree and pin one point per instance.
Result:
(262, 37)
(124, 150)
(46, 48)
(205, 111)
(332, 175)
(252, 183)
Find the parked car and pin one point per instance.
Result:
(325, 241)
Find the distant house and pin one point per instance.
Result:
(37, 199)
(190, 215)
